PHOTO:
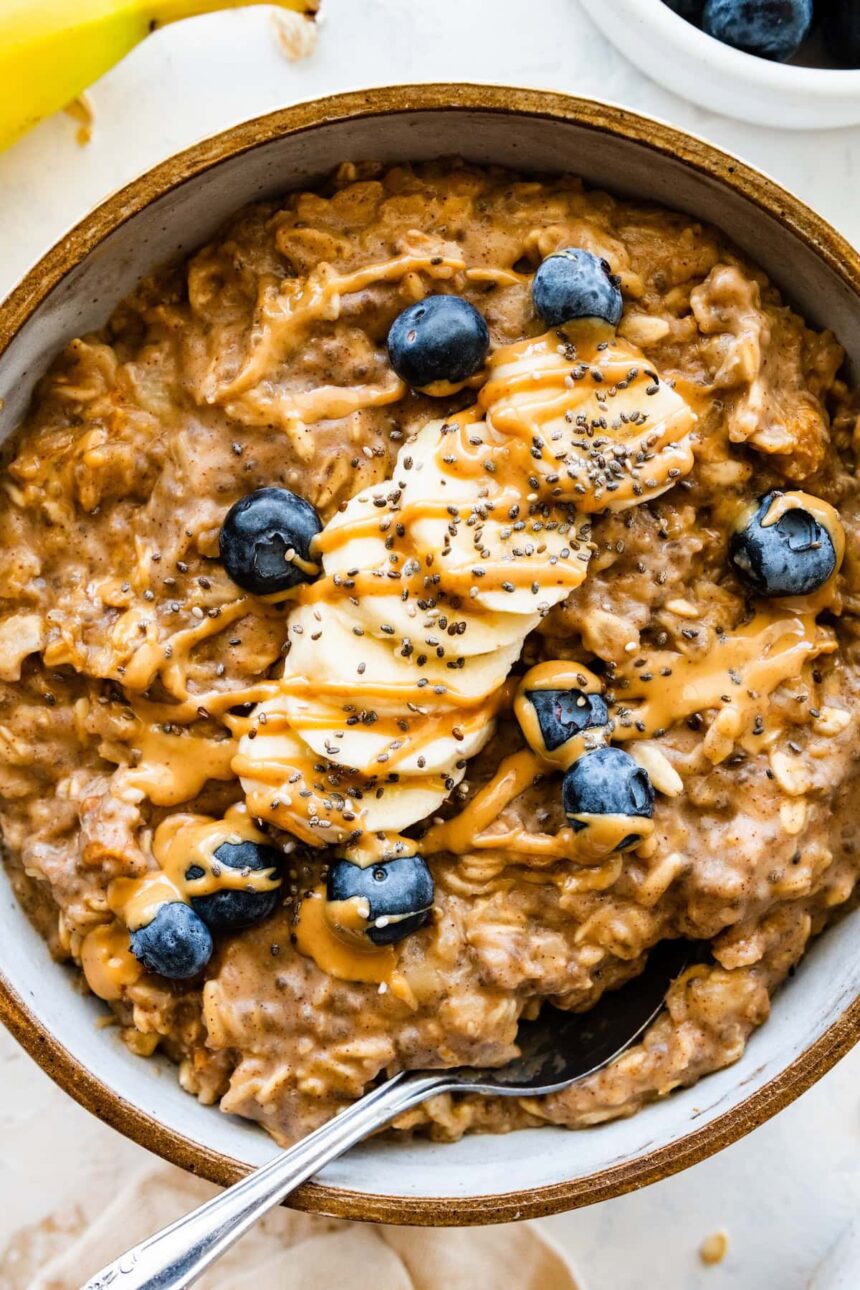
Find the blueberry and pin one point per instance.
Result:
(228, 910)
(256, 535)
(176, 944)
(772, 29)
(441, 338)
(840, 24)
(608, 782)
(792, 557)
(689, 9)
(399, 889)
(562, 714)
(572, 284)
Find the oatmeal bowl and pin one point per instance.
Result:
(429, 532)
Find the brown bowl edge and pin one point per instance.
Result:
(41, 279)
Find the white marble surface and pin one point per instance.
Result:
(785, 1192)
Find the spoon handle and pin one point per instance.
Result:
(176, 1256)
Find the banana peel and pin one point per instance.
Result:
(51, 50)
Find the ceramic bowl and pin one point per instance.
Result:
(170, 211)
(688, 61)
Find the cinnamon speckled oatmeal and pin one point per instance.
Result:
(571, 518)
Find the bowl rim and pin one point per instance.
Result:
(664, 140)
(765, 74)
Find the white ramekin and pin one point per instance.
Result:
(689, 62)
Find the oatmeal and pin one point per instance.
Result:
(415, 607)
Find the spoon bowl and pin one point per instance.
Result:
(558, 1048)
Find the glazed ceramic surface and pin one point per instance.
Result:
(169, 212)
(682, 58)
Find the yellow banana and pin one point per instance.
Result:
(51, 50)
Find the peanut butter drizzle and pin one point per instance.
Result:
(348, 960)
(564, 423)
(378, 691)
(217, 704)
(135, 655)
(287, 307)
(168, 659)
(457, 582)
(514, 775)
(169, 767)
(107, 961)
(330, 402)
(180, 842)
(349, 918)
(174, 768)
(736, 678)
(337, 535)
(501, 277)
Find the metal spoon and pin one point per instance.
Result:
(556, 1050)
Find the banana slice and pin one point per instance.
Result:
(403, 747)
(625, 434)
(282, 784)
(483, 631)
(327, 657)
(432, 581)
(364, 551)
(492, 528)
(394, 807)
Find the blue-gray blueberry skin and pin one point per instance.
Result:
(607, 781)
(793, 557)
(400, 889)
(256, 535)
(176, 944)
(229, 910)
(562, 714)
(441, 338)
(571, 284)
(773, 29)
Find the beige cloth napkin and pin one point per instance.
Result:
(287, 1250)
